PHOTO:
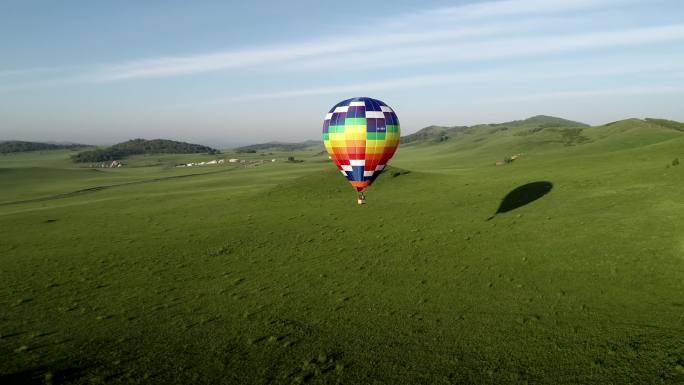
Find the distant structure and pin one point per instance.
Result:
(211, 162)
(112, 164)
(243, 162)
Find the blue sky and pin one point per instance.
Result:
(228, 73)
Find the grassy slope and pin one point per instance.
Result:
(273, 274)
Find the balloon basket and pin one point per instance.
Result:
(361, 199)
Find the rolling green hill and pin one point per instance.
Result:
(563, 267)
(141, 146)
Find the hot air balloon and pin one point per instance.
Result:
(361, 135)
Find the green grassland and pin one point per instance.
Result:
(151, 274)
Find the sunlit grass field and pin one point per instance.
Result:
(151, 274)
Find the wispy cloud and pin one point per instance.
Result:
(424, 81)
(429, 35)
(498, 48)
(292, 53)
(504, 8)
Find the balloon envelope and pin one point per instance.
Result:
(361, 135)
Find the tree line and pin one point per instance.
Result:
(12, 146)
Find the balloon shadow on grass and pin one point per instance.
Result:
(522, 195)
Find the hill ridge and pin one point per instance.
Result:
(141, 146)
(443, 133)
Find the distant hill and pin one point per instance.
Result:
(280, 146)
(523, 127)
(12, 146)
(141, 146)
(545, 133)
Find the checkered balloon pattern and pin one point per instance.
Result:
(361, 135)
